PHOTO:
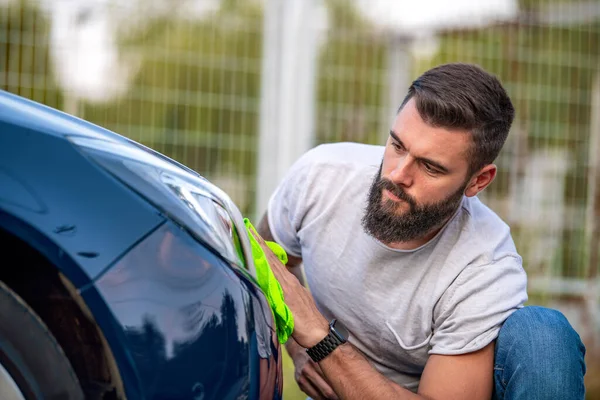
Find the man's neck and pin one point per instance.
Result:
(416, 243)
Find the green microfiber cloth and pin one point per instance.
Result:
(284, 321)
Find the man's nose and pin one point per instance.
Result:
(403, 173)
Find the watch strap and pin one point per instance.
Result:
(324, 347)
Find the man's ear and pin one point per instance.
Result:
(481, 180)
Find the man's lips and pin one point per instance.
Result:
(391, 196)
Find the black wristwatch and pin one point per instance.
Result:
(338, 334)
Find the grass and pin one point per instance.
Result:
(291, 391)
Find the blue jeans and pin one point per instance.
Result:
(538, 356)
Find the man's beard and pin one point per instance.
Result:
(384, 223)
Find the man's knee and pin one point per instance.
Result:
(538, 351)
(541, 329)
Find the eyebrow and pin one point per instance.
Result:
(437, 165)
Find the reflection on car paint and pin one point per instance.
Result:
(181, 306)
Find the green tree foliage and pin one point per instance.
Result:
(351, 83)
(196, 95)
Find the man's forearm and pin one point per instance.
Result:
(352, 377)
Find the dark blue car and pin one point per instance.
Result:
(124, 274)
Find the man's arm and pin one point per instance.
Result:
(468, 376)
(308, 374)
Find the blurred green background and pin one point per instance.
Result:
(187, 79)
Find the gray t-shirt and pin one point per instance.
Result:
(449, 296)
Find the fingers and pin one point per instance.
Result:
(274, 261)
(311, 390)
(308, 388)
(258, 238)
(280, 273)
(310, 379)
(315, 376)
(317, 368)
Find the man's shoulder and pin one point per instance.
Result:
(483, 236)
(334, 173)
(347, 153)
(482, 216)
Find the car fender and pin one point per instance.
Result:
(76, 214)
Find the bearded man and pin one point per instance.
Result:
(417, 288)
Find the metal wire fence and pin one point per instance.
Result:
(187, 79)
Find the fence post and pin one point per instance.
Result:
(287, 93)
(592, 230)
(399, 65)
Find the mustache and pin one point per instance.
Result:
(384, 183)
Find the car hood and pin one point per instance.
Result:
(20, 111)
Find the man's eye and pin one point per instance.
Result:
(398, 147)
(430, 169)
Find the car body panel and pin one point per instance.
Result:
(55, 191)
(191, 327)
(181, 320)
(18, 111)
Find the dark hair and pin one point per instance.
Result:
(464, 96)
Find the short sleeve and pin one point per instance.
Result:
(287, 205)
(471, 312)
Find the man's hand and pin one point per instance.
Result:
(308, 374)
(310, 327)
(294, 264)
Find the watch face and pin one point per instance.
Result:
(340, 330)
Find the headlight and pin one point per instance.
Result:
(180, 193)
